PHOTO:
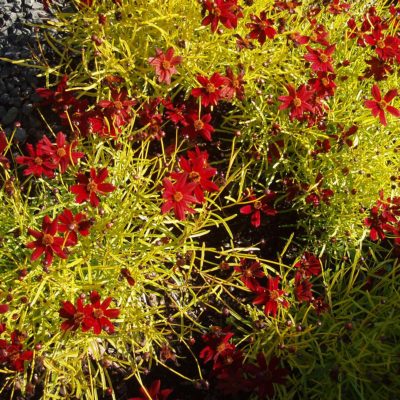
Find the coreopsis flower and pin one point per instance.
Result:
(38, 162)
(61, 151)
(217, 344)
(378, 68)
(323, 85)
(47, 242)
(297, 101)
(225, 12)
(271, 297)
(378, 106)
(316, 197)
(118, 109)
(263, 376)
(196, 126)
(164, 64)
(302, 290)
(59, 99)
(289, 5)
(335, 7)
(319, 305)
(3, 146)
(321, 60)
(178, 195)
(76, 316)
(308, 265)
(151, 119)
(211, 90)
(257, 206)
(175, 113)
(386, 47)
(244, 42)
(12, 354)
(198, 171)
(233, 85)
(89, 187)
(71, 225)
(101, 314)
(378, 222)
(251, 271)
(154, 391)
(261, 27)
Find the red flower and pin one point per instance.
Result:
(264, 376)
(72, 225)
(88, 187)
(12, 355)
(61, 151)
(39, 162)
(288, 5)
(336, 8)
(118, 109)
(218, 346)
(297, 101)
(79, 316)
(101, 313)
(211, 90)
(225, 11)
(259, 205)
(59, 99)
(251, 271)
(320, 306)
(197, 170)
(154, 392)
(178, 195)
(303, 290)
(46, 242)
(308, 265)
(233, 85)
(270, 296)
(164, 64)
(378, 68)
(261, 27)
(127, 275)
(198, 126)
(378, 106)
(323, 85)
(3, 146)
(320, 59)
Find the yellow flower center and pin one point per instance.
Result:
(47, 239)
(210, 88)
(98, 313)
(91, 186)
(166, 64)
(198, 125)
(61, 152)
(38, 161)
(178, 196)
(323, 57)
(257, 205)
(297, 102)
(194, 176)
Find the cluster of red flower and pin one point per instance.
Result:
(233, 374)
(87, 316)
(48, 243)
(189, 185)
(384, 219)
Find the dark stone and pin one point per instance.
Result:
(10, 116)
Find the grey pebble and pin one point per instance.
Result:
(10, 116)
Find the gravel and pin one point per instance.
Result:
(18, 41)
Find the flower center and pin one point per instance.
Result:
(61, 152)
(166, 64)
(118, 105)
(324, 58)
(297, 102)
(198, 125)
(178, 196)
(221, 348)
(98, 313)
(380, 43)
(78, 317)
(273, 295)
(325, 82)
(210, 88)
(194, 176)
(38, 161)
(382, 104)
(257, 205)
(91, 186)
(47, 239)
